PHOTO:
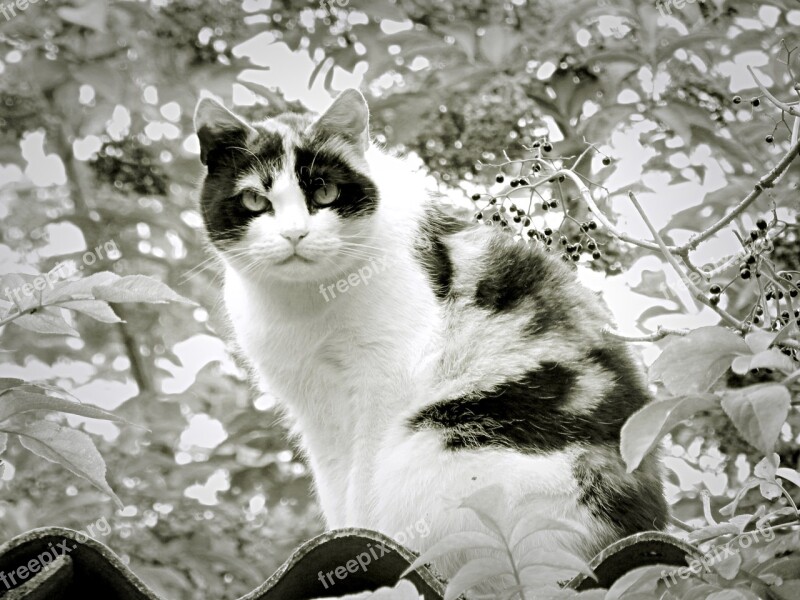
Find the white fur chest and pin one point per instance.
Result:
(345, 370)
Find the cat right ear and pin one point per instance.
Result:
(217, 127)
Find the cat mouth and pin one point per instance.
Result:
(293, 258)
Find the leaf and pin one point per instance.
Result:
(97, 309)
(556, 558)
(45, 322)
(92, 15)
(789, 475)
(531, 524)
(15, 402)
(695, 362)
(70, 448)
(641, 579)
(6, 383)
(766, 359)
(729, 567)
(759, 412)
(645, 428)
(653, 284)
(78, 288)
(498, 43)
(456, 542)
(654, 311)
(137, 288)
(473, 573)
(485, 500)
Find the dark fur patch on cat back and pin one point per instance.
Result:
(358, 194)
(630, 502)
(532, 414)
(432, 252)
(224, 216)
(513, 273)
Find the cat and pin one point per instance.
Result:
(417, 357)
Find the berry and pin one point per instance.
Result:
(523, 182)
(584, 227)
(544, 206)
(547, 146)
(754, 235)
(756, 320)
(745, 273)
(606, 161)
(479, 216)
(553, 203)
(564, 241)
(531, 233)
(526, 222)
(499, 178)
(755, 101)
(737, 99)
(592, 225)
(495, 217)
(517, 219)
(596, 254)
(513, 208)
(769, 139)
(714, 300)
(750, 259)
(504, 223)
(591, 245)
(514, 183)
(715, 289)
(548, 231)
(793, 292)
(476, 196)
(761, 224)
(575, 257)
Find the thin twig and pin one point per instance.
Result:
(670, 257)
(782, 105)
(659, 334)
(767, 181)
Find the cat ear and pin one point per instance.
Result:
(348, 116)
(215, 125)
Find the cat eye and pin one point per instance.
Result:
(327, 194)
(254, 202)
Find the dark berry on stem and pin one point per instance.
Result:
(737, 99)
(761, 224)
(499, 178)
(755, 101)
(606, 161)
(715, 289)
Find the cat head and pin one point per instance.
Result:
(289, 198)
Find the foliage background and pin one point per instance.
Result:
(96, 145)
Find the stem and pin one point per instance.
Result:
(659, 334)
(782, 105)
(795, 130)
(670, 257)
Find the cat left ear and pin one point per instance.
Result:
(215, 125)
(348, 116)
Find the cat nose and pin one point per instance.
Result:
(294, 235)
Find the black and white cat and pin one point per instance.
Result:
(417, 358)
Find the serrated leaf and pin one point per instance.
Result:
(474, 573)
(97, 309)
(138, 288)
(695, 362)
(79, 288)
(531, 524)
(44, 321)
(759, 412)
(645, 428)
(766, 359)
(70, 448)
(557, 559)
(456, 542)
(12, 285)
(483, 502)
(15, 402)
